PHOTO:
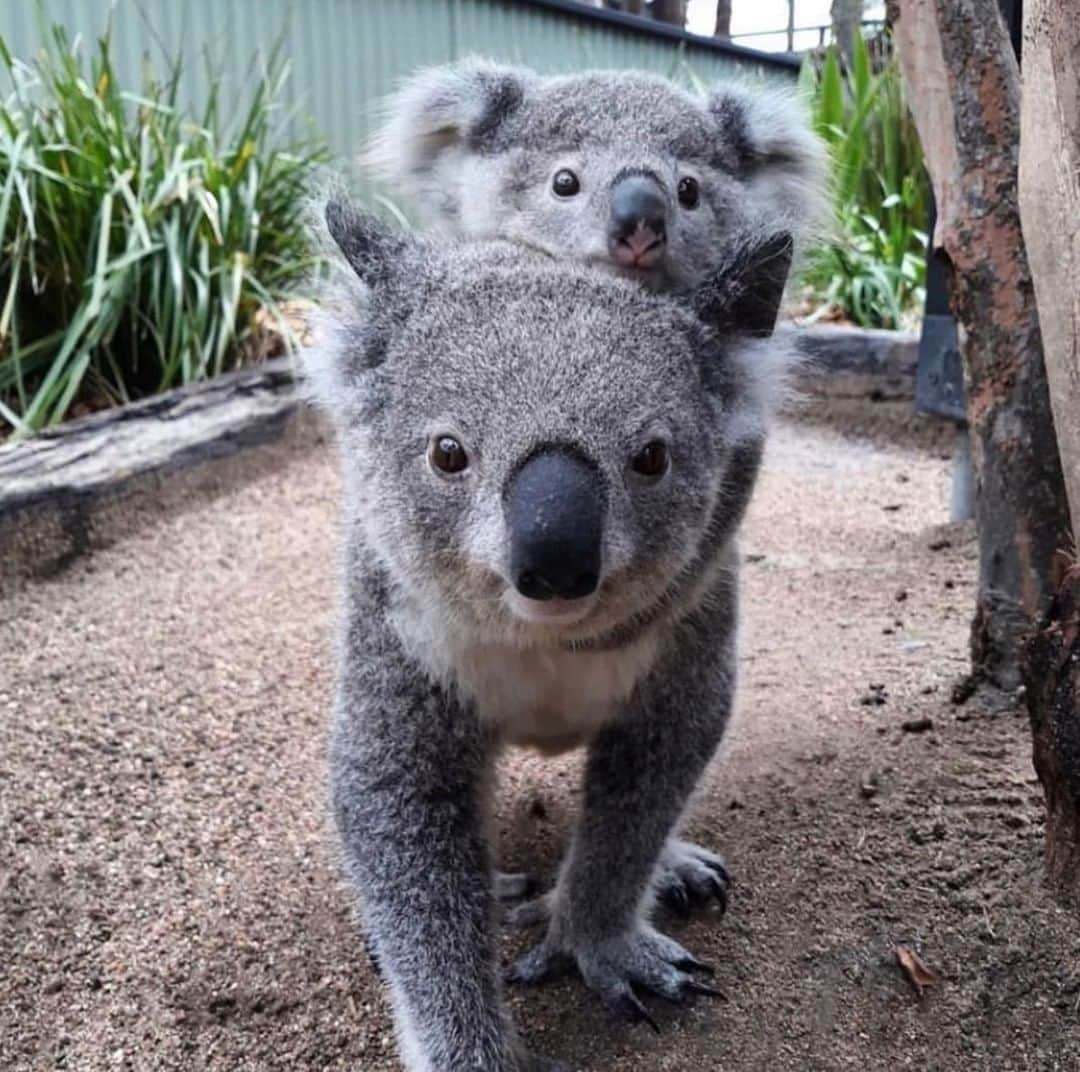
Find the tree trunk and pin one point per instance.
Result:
(1052, 679)
(846, 18)
(723, 20)
(1050, 208)
(965, 96)
(671, 11)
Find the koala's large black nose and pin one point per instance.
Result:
(637, 227)
(555, 513)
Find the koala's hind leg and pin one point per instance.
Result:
(640, 773)
(689, 875)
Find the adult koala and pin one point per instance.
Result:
(620, 169)
(544, 469)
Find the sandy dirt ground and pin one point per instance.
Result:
(169, 893)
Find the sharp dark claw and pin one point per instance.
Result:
(719, 892)
(677, 900)
(719, 868)
(694, 987)
(692, 964)
(630, 1008)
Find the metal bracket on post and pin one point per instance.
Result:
(939, 379)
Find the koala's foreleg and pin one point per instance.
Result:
(409, 771)
(640, 774)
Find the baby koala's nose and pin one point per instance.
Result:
(637, 228)
(555, 514)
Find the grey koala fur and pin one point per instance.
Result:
(442, 662)
(475, 146)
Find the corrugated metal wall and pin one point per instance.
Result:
(346, 54)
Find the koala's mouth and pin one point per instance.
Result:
(641, 251)
(548, 612)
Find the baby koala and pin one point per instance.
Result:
(544, 468)
(620, 169)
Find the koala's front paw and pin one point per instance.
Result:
(616, 967)
(689, 875)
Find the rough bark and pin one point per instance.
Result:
(670, 11)
(965, 96)
(846, 16)
(1050, 208)
(1052, 678)
(723, 20)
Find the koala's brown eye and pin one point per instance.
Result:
(689, 194)
(447, 455)
(565, 183)
(651, 461)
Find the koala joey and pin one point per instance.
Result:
(620, 169)
(544, 467)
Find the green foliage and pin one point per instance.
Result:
(139, 247)
(873, 269)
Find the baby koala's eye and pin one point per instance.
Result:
(447, 455)
(565, 183)
(651, 461)
(689, 194)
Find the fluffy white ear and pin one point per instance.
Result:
(441, 110)
(783, 162)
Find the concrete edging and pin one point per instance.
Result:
(77, 487)
(848, 362)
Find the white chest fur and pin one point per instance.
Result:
(548, 698)
(543, 696)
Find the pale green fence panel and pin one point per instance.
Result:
(347, 54)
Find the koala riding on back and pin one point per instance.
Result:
(624, 169)
(544, 468)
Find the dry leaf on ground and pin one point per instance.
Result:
(920, 975)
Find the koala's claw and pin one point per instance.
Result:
(628, 1006)
(673, 896)
(689, 875)
(689, 963)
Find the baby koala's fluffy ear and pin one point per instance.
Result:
(780, 158)
(373, 250)
(743, 294)
(441, 109)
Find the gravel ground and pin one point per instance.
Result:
(169, 894)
